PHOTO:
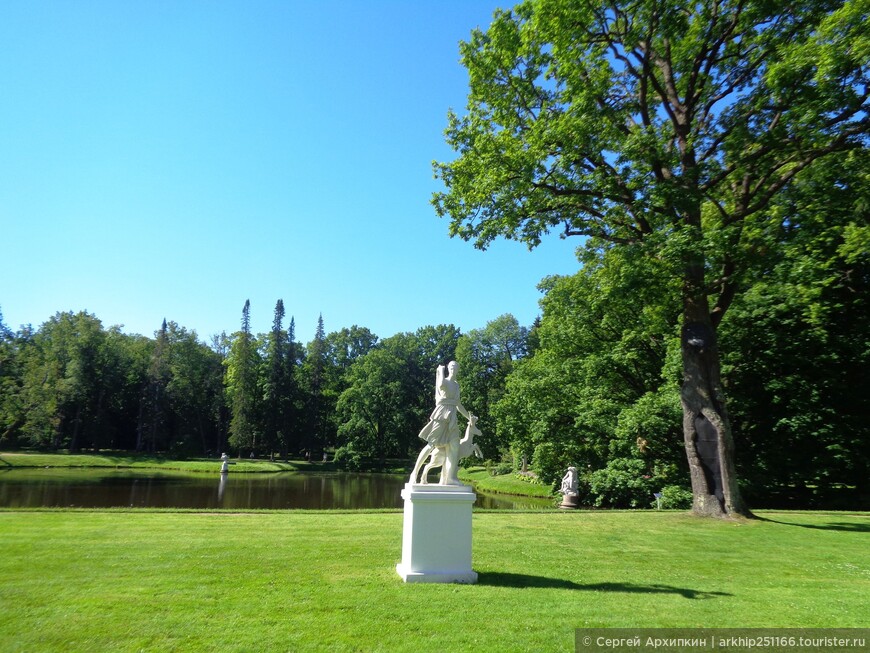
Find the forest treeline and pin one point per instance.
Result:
(593, 383)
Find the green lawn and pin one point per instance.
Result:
(304, 581)
(503, 484)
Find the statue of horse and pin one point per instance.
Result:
(466, 448)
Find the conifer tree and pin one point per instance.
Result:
(241, 383)
(278, 391)
(152, 413)
(315, 421)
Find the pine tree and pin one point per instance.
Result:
(242, 386)
(275, 395)
(293, 423)
(152, 406)
(315, 418)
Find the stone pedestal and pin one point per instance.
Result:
(570, 501)
(436, 538)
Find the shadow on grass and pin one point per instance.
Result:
(500, 579)
(833, 526)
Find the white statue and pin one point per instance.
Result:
(467, 447)
(570, 489)
(441, 433)
(569, 482)
(225, 465)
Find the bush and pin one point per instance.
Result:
(501, 469)
(675, 497)
(348, 458)
(549, 463)
(624, 483)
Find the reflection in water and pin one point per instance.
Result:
(281, 491)
(222, 486)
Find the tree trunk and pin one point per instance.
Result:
(706, 427)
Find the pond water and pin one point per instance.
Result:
(30, 488)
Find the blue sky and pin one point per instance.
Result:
(173, 159)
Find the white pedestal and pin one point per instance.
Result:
(436, 538)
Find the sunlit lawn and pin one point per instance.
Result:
(290, 581)
(504, 483)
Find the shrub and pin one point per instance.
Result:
(624, 483)
(348, 458)
(548, 463)
(675, 497)
(501, 467)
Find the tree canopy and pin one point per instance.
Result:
(664, 128)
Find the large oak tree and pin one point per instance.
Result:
(666, 128)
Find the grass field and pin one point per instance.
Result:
(504, 483)
(303, 581)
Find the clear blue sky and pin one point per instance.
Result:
(173, 159)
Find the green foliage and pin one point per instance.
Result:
(799, 343)
(623, 483)
(373, 409)
(486, 357)
(389, 390)
(73, 384)
(675, 497)
(601, 383)
(550, 462)
(278, 387)
(346, 457)
(242, 365)
(611, 123)
(661, 133)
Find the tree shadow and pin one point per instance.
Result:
(503, 579)
(832, 526)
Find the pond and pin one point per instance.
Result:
(29, 488)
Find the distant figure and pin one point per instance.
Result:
(225, 464)
(442, 430)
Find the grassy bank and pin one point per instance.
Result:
(160, 581)
(123, 460)
(503, 484)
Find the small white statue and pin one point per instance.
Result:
(570, 490)
(225, 465)
(569, 482)
(441, 432)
